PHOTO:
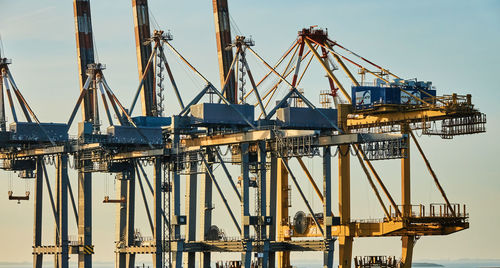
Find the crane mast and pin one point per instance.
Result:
(85, 50)
(224, 52)
(144, 50)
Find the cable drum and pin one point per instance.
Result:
(300, 222)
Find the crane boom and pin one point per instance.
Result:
(223, 33)
(144, 50)
(85, 50)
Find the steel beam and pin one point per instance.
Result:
(206, 206)
(144, 199)
(245, 205)
(407, 241)
(157, 198)
(52, 250)
(125, 217)
(121, 220)
(176, 207)
(37, 224)
(129, 177)
(221, 194)
(62, 258)
(263, 201)
(345, 242)
(405, 177)
(327, 207)
(84, 216)
(190, 207)
(304, 199)
(271, 193)
(395, 117)
(228, 175)
(221, 246)
(282, 211)
(431, 171)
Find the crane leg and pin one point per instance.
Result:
(408, 241)
(345, 251)
(345, 242)
(282, 213)
(407, 253)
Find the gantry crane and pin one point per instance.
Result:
(32, 133)
(412, 105)
(143, 134)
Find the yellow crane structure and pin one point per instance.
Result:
(455, 114)
(417, 107)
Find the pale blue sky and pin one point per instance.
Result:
(452, 43)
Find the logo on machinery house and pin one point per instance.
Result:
(363, 97)
(408, 99)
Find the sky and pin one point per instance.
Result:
(451, 43)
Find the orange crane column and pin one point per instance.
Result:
(223, 34)
(142, 34)
(345, 241)
(407, 241)
(282, 211)
(85, 50)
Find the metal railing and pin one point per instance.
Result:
(434, 210)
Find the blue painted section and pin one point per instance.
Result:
(364, 97)
(222, 114)
(306, 118)
(152, 121)
(132, 135)
(368, 97)
(33, 132)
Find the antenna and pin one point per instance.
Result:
(1, 46)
